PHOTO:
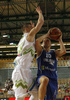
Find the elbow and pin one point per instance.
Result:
(64, 52)
(42, 21)
(39, 26)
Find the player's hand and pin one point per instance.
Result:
(33, 25)
(60, 38)
(38, 10)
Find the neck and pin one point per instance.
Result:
(47, 49)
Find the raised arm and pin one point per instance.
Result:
(38, 43)
(62, 50)
(38, 26)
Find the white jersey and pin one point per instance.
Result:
(26, 52)
(22, 76)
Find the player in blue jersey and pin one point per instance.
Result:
(47, 67)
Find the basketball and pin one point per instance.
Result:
(55, 33)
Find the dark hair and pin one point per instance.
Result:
(25, 25)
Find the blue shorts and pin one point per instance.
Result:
(51, 88)
(38, 80)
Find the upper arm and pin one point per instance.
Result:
(38, 47)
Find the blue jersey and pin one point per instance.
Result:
(47, 64)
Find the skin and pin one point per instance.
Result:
(33, 30)
(47, 45)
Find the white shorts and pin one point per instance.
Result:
(22, 79)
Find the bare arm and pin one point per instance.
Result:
(38, 26)
(38, 43)
(62, 50)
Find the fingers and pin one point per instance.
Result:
(31, 22)
(60, 38)
(38, 9)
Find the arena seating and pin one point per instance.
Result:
(63, 83)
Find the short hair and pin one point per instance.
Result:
(25, 25)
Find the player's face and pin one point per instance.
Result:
(46, 43)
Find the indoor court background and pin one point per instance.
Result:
(13, 13)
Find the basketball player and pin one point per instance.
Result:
(22, 76)
(47, 67)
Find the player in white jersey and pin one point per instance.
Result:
(22, 76)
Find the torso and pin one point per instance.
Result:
(47, 64)
(26, 51)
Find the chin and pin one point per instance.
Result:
(46, 47)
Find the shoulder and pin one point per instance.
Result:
(28, 38)
(40, 54)
(53, 53)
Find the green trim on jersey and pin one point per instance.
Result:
(20, 46)
(29, 50)
(21, 83)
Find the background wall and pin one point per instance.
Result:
(63, 72)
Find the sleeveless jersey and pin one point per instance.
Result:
(22, 76)
(25, 52)
(47, 64)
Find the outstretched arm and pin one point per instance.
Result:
(38, 26)
(62, 50)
